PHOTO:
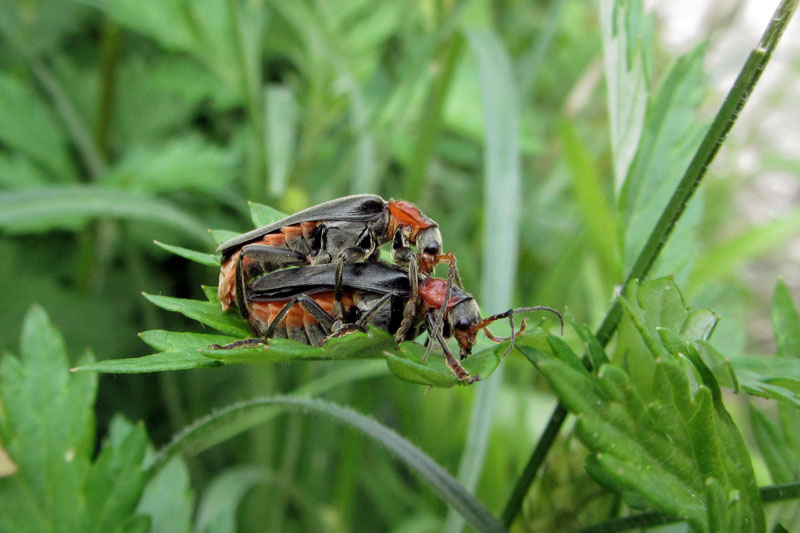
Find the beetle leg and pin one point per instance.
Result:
(364, 319)
(241, 300)
(244, 343)
(442, 310)
(402, 254)
(450, 259)
(272, 256)
(452, 363)
(410, 308)
(361, 323)
(338, 287)
(308, 303)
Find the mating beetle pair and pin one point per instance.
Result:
(342, 287)
(345, 230)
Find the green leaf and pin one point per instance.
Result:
(670, 137)
(168, 499)
(158, 93)
(660, 452)
(197, 257)
(222, 235)
(27, 125)
(217, 509)
(781, 459)
(206, 313)
(116, 478)
(48, 430)
(167, 341)
(33, 30)
(158, 362)
(263, 215)
(769, 377)
(70, 206)
(652, 306)
(627, 53)
(406, 363)
(785, 322)
(653, 419)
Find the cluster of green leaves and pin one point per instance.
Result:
(126, 121)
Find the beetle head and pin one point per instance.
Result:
(463, 319)
(429, 241)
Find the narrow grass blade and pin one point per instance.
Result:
(281, 124)
(502, 191)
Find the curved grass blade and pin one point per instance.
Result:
(193, 437)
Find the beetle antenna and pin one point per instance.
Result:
(510, 315)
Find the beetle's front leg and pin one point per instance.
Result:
(402, 253)
(452, 363)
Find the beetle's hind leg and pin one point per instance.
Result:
(324, 319)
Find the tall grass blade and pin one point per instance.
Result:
(501, 194)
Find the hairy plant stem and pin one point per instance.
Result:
(713, 139)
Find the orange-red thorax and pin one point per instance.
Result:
(403, 213)
(432, 291)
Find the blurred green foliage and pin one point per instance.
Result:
(126, 121)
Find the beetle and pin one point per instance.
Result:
(347, 230)
(301, 304)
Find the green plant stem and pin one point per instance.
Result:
(431, 119)
(770, 494)
(721, 125)
(108, 63)
(537, 458)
